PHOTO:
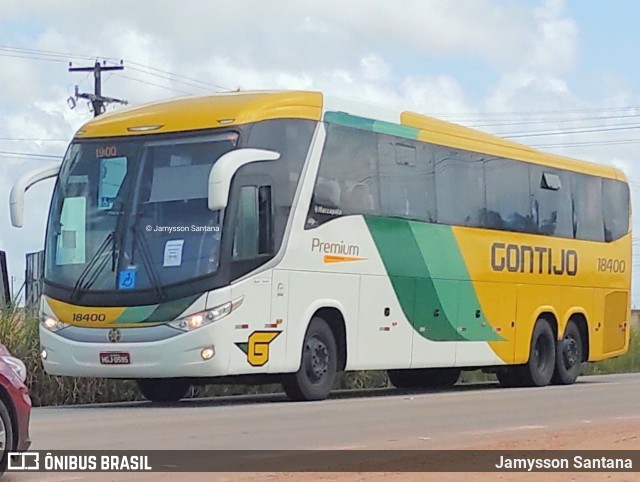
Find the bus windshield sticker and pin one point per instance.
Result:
(173, 252)
(71, 239)
(112, 173)
(127, 279)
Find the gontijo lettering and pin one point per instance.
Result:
(519, 258)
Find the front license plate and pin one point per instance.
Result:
(115, 358)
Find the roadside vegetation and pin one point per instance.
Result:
(19, 333)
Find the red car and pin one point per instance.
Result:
(15, 406)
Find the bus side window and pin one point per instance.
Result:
(616, 209)
(551, 202)
(347, 177)
(588, 217)
(254, 225)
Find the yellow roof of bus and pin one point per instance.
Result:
(236, 108)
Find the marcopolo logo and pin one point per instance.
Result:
(519, 258)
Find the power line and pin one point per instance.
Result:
(205, 85)
(622, 127)
(152, 84)
(31, 139)
(142, 68)
(549, 121)
(29, 154)
(483, 115)
(586, 143)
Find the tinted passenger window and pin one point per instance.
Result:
(459, 187)
(253, 234)
(588, 221)
(406, 179)
(347, 181)
(551, 203)
(508, 196)
(616, 209)
(291, 138)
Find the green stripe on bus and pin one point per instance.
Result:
(428, 274)
(410, 278)
(367, 124)
(446, 266)
(171, 309)
(135, 314)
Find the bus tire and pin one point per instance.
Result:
(424, 377)
(569, 356)
(537, 372)
(163, 390)
(318, 365)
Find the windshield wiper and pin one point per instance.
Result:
(80, 284)
(147, 260)
(114, 238)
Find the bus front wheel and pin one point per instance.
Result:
(569, 356)
(318, 366)
(163, 390)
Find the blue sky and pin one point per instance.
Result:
(500, 64)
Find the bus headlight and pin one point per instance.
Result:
(203, 318)
(52, 324)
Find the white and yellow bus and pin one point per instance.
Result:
(287, 236)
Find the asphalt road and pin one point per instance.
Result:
(374, 419)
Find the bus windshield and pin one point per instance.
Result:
(133, 215)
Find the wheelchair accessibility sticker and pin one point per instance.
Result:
(127, 279)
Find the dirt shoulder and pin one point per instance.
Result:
(619, 434)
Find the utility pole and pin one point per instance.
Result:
(97, 100)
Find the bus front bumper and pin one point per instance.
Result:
(180, 356)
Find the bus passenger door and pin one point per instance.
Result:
(256, 337)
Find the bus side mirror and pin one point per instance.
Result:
(16, 198)
(224, 168)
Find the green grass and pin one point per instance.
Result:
(627, 363)
(19, 333)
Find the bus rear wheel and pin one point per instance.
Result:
(537, 372)
(318, 366)
(163, 390)
(424, 377)
(569, 356)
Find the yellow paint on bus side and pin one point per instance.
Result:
(519, 277)
(91, 316)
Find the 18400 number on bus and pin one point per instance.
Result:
(612, 265)
(94, 317)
